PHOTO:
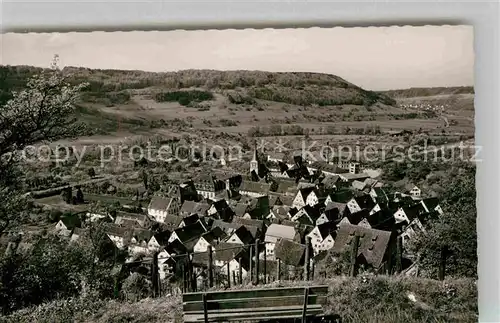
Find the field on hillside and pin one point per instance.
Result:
(241, 107)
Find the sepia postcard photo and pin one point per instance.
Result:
(253, 175)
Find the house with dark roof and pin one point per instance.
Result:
(192, 207)
(210, 238)
(141, 220)
(406, 214)
(432, 204)
(170, 223)
(139, 241)
(279, 212)
(256, 227)
(159, 208)
(418, 225)
(188, 220)
(239, 209)
(77, 234)
(208, 186)
(329, 182)
(379, 195)
(290, 253)
(276, 232)
(415, 192)
(286, 187)
(257, 208)
(359, 203)
(66, 225)
(188, 235)
(254, 189)
(354, 218)
(158, 240)
(120, 236)
(323, 236)
(232, 255)
(374, 249)
(381, 220)
(308, 214)
(342, 196)
(349, 177)
(302, 197)
(333, 211)
(221, 210)
(241, 236)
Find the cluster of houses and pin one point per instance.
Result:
(307, 206)
(425, 106)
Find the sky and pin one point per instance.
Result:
(375, 58)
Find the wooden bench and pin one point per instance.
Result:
(255, 304)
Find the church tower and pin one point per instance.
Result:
(254, 163)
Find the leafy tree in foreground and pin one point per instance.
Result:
(42, 111)
(455, 231)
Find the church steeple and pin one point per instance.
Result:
(254, 163)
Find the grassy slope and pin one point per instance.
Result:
(377, 299)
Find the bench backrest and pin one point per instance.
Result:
(254, 304)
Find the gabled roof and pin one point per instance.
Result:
(141, 219)
(430, 203)
(159, 203)
(336, 205)
(225, 226)
(373, 244)
(326, 167)
(382, 220)
(244, 234)
(290, 252)
(190, 232)
(327, 228)
(314, 212)
(176, 247)
(118, 231)
(351, 177)
(220, 205)
(142, 235)
(129, 223)
(249, 222)
(71, 221)
(365, 201)
(277, 231)
(329, 181)
(287, 200)
(226, 252)
(356, 217)
(358, 185)
(188, 207)
(191, 219)
(342, 196)
(171, 222)
(162, 237)
(285, 186)
(305, 191)
(239, 209)
(214, 235)
(256, 187)
(413, 211)
(281, 211)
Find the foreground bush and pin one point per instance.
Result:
(358, 300)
